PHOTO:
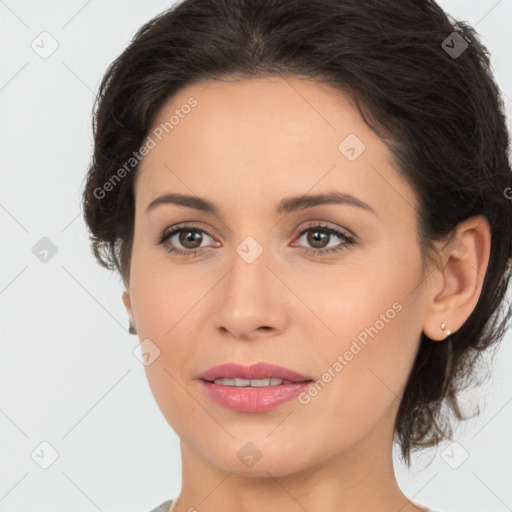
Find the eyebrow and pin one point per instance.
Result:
(286, 205)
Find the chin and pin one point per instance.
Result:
(250, 459)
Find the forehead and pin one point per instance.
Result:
(256, 109)
(269, 134)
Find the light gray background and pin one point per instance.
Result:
(68, 375)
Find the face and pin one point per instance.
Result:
(332, 290)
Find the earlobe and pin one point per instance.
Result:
(461, 274)
(128, 305)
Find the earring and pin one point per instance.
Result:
(131, 329)
(443, 327)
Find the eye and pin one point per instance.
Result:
(318, 234)
(189, 236)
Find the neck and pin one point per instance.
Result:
(359, 478)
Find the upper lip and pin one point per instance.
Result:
(254, 371)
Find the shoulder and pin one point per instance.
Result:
(164, 507)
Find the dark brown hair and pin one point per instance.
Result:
(406, 67)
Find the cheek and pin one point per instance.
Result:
(168, 308)
(376, 323)
(371, 361)
(161, 293)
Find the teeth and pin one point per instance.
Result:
(255, 383)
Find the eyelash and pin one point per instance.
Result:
(348, 240)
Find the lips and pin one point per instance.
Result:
(241, 397)
(253, 372)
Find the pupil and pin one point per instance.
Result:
(190, 236)
(315, 238)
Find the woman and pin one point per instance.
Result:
(309, 205)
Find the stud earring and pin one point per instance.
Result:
(131, 329)
(443, 327)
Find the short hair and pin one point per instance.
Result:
(419, 79)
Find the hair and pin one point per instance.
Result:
(441, 115)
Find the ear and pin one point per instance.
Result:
(458, 279)
(128, 305)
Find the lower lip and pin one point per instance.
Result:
(248, 399)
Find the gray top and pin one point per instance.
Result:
(164, 507)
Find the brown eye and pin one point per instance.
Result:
(189, 238)
(184, 240)
(319, 236)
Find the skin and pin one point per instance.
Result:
(246, 146)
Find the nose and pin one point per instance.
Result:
(251, 300)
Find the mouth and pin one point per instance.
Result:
(239, 382)
(255, 375)
(258, 388)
